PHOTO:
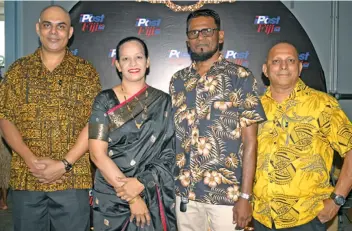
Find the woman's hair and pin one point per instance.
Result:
(129, 39)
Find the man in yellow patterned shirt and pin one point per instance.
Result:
(295, 150)
(45, 102)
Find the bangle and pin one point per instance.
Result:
(133, 200)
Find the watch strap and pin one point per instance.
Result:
(68, 165)
(338, 199)
(246, 196)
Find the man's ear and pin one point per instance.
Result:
(265, 69)
(221, 36)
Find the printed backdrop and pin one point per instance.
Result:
(251, 28)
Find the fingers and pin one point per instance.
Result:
(37, 175)
(234, 216)
(241, 221)
(36, 171)
(44, 160)
(323, 219)
(138, 220)
(40, 166)
(124, 180)
(148, 218)
(143, 220)
(132, 217)
(120, 194)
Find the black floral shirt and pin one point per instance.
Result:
(209, 112)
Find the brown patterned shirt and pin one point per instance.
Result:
(50, 109)
(209, 112)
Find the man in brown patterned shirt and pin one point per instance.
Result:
(216, 110)
(45, 101)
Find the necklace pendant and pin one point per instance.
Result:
(144, 116)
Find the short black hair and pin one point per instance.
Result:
(205, 13)
(129, 39)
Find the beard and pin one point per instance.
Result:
(203, 56)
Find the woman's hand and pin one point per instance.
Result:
(139, 211)
(130, 189)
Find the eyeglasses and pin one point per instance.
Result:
(206, 32)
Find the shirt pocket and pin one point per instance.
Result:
(225, 119)
(222, 109)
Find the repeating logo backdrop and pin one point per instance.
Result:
(251, 28)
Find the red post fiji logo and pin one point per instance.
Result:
(148, 27)
(267, 24)
(92, 23)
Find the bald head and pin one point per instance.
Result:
(55, 9)
(282, 66)
(282, 46)
(54, 29)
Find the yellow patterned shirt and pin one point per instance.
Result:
(295, 155)
(50, 109)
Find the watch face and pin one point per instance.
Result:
(339, 200)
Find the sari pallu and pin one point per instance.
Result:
(147, 153)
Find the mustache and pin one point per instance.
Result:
(202, 45)
(284, 73)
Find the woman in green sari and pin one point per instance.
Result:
(131, 141)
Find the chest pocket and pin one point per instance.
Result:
(225, 113)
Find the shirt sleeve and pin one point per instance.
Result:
(338, 128)
(8, 97)
(251, 110)
(99, 120)
(92, 88)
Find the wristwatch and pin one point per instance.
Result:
(338, 199)
(246, 196)
(68, 165)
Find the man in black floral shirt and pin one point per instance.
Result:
(216, 111)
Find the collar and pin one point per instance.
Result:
(297, 91)
(67, 58)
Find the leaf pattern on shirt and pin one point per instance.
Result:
(208, 112)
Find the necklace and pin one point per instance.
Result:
(145, 109)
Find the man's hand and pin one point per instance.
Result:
(330, 210)
(34, 167)
(242, 213)
(53, 171)
(130, 189)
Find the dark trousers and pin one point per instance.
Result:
(314, 225)
(66, 210)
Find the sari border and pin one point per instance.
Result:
(128, 100)
(161, 209)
